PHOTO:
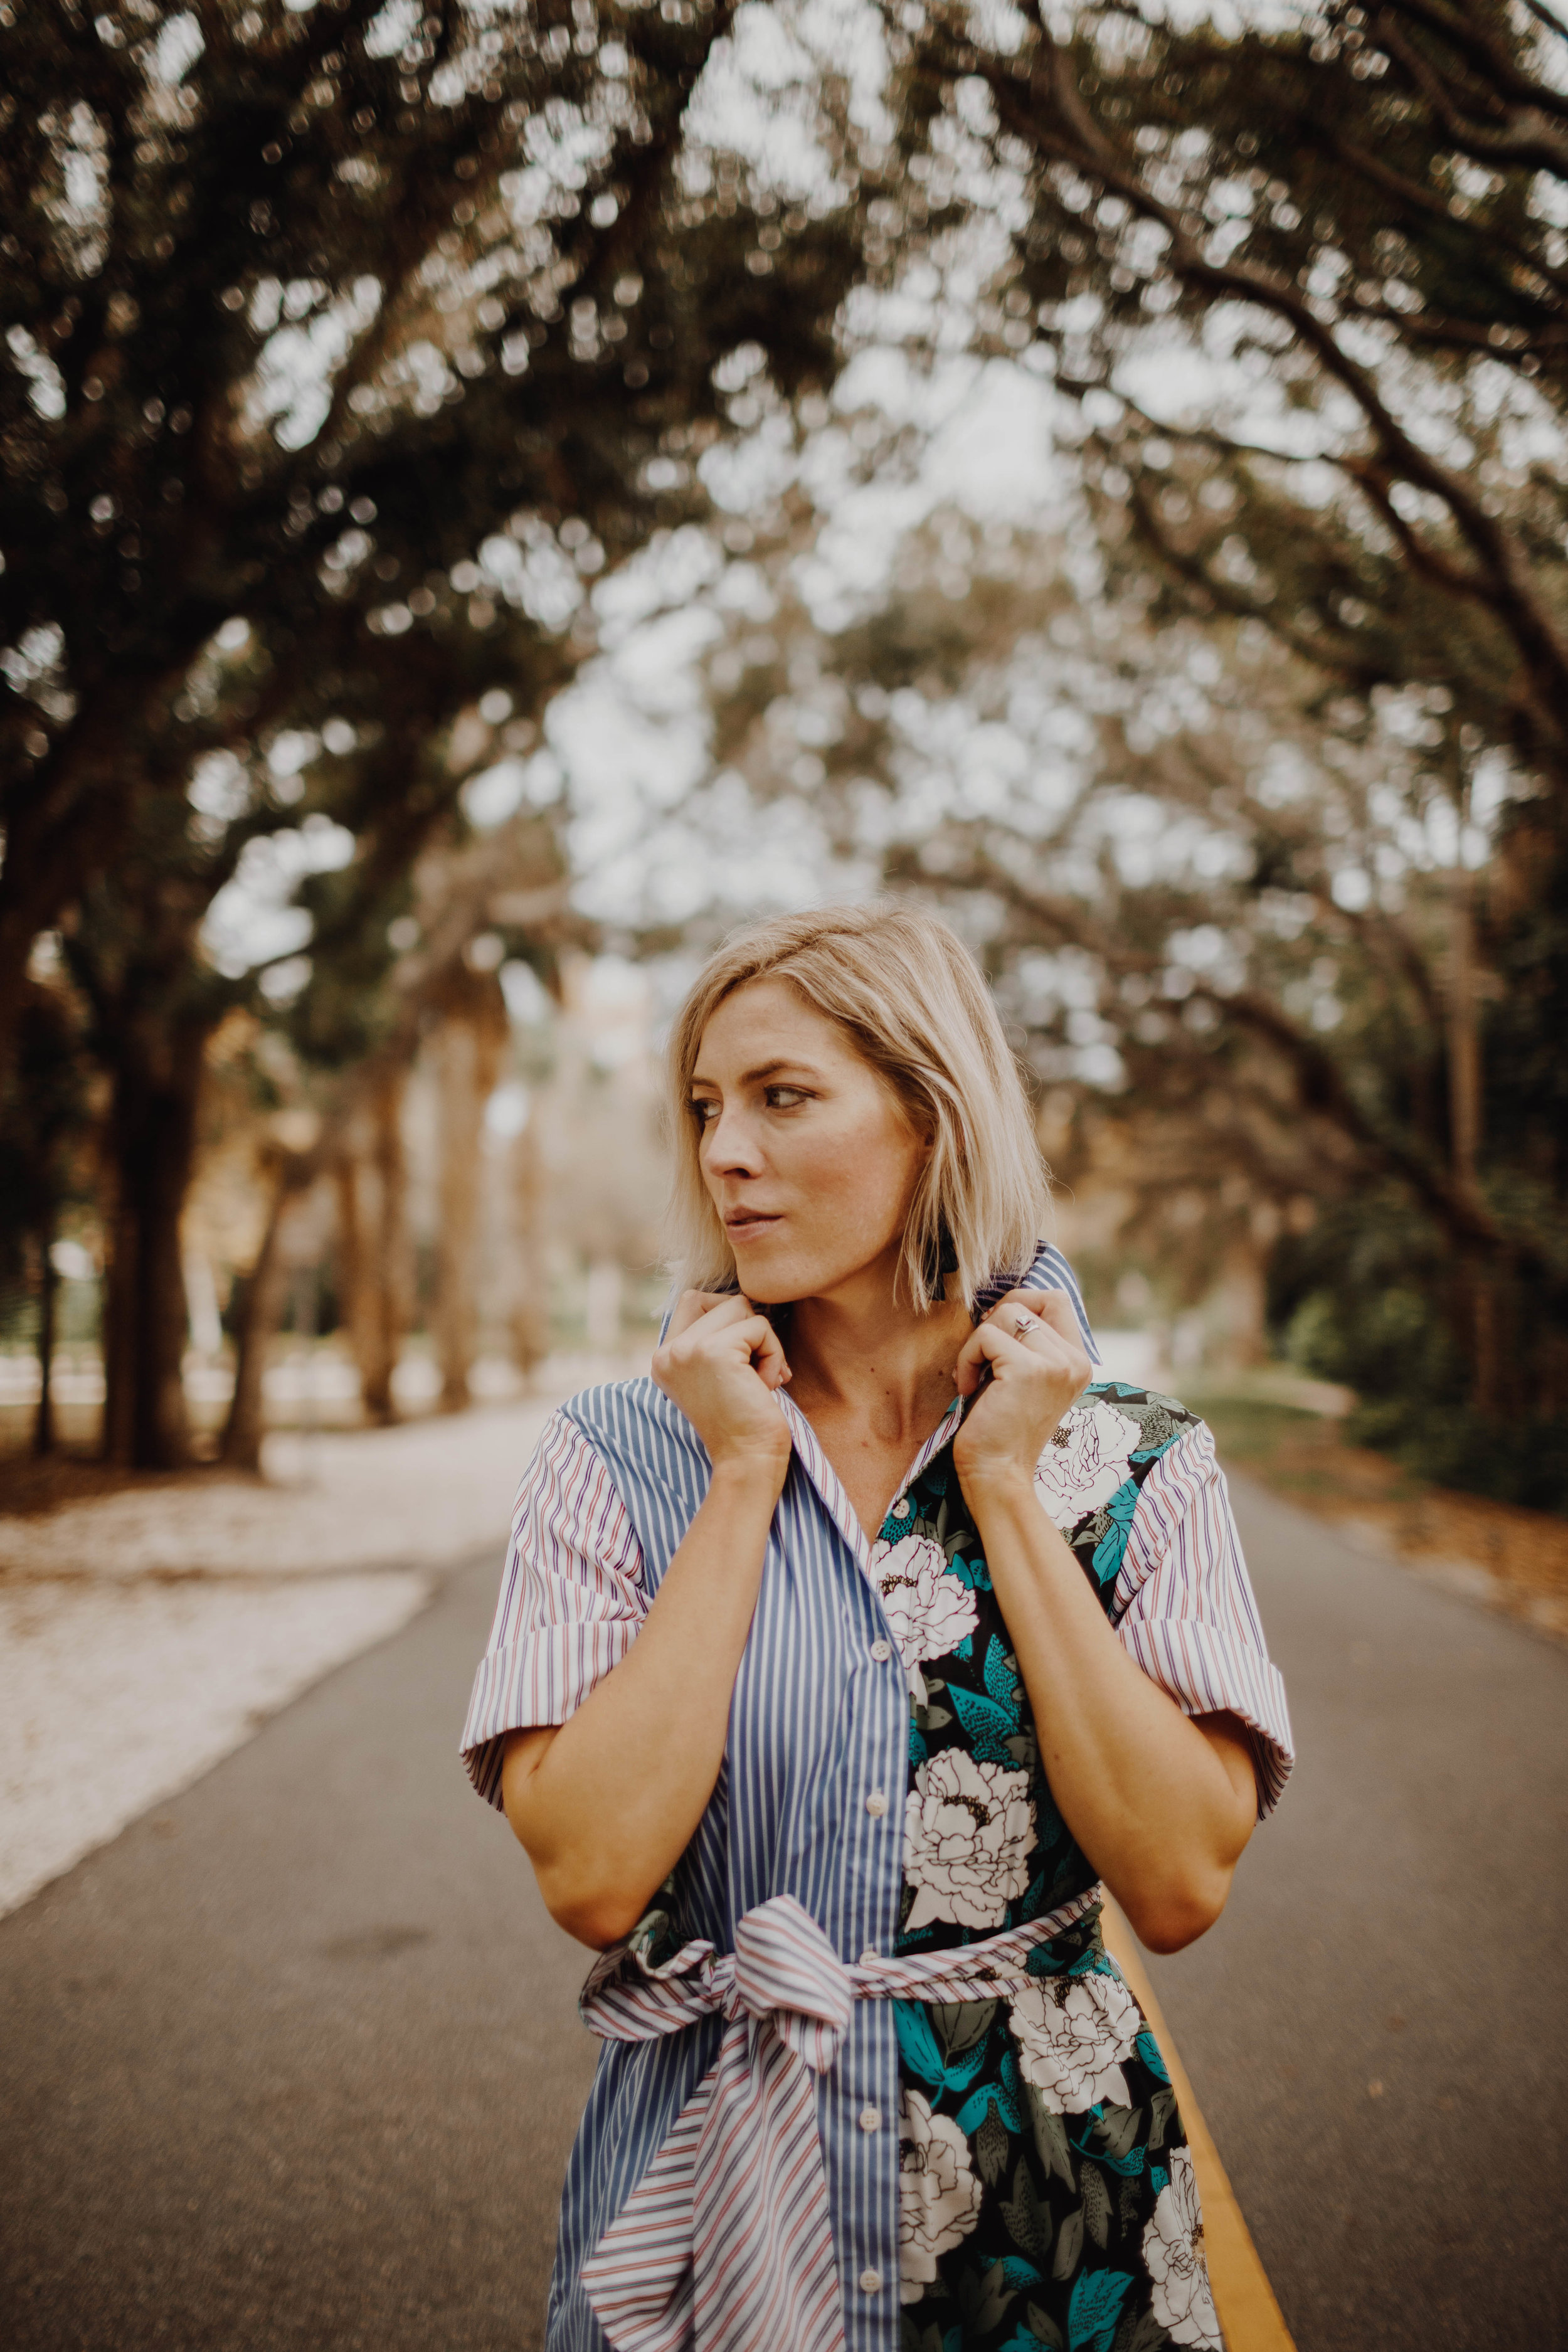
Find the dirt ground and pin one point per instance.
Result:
(1515, 1559)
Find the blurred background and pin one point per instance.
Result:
(496, 491)
(495, 495)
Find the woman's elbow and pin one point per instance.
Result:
(1168, 1919)
(593, 1916)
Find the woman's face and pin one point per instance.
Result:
(805, 1151)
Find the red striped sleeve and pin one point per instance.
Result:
(1184, 1606)
(572, 1600)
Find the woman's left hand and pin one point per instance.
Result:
(1040, 1367)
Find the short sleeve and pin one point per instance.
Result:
(1183, 1606)
(571, 1600)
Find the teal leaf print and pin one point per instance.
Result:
(1094, 2308)
(1002, 1674)
(922, 2053)
(1019, 2273)
(1149, 2051)
(987, 1726)
(973, 2112)
(1108, 1552)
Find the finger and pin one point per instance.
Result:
(693, 1305)
(1051, 1308)
(768, 1358)
(1055, 1308)
(743, 1331)
(988, 1343)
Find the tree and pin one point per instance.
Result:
(44, 1165)
(310, 279)
(1303, 286)
(308, 308)
(1157, 834)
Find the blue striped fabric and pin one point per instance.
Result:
(817, 1726)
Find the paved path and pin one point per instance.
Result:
(1402, 1922)
(294, 2062)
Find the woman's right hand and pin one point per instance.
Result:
(722, 1363)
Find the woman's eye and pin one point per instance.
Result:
(704, 1113)
(784, 1097)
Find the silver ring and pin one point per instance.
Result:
(1023, 1329)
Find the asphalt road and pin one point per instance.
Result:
(295, 2063)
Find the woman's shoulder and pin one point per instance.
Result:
(618, 1412)
(1153, 1420)
(1106, 1444)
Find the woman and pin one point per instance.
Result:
(837, 1670)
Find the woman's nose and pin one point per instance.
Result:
(730, 1145)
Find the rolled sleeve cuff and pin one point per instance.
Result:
(1208, 1672)
(533, 1683)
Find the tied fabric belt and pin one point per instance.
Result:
(726, 2243)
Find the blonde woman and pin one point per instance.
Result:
(838, 1669)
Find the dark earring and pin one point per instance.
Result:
(941, 1258)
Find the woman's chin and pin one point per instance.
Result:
(766, 1278)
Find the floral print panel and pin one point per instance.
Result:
(1048, 2197)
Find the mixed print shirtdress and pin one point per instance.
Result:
(1002, 2174)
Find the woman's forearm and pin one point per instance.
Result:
(1161, 1804)
(606, 1804)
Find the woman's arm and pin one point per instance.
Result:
(606, 1803)
(1162, 1803)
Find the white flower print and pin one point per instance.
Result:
(930, 1610)
(1174, 2257)
(967, 1827)
(1086, 1460)
(1072, 2051)
(938, 2196)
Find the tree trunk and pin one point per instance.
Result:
(465, 1061)
(49, 1288)
(373, 1242)
(260, 1313)
(391, 1266)
(529, 1316)
(152, 1138)
(1463, 1034)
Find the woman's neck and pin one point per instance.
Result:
(864, 1358)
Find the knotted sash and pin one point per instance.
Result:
(726, 2243)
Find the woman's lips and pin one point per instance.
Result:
(749, 1224)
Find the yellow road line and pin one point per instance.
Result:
(1251, 2318)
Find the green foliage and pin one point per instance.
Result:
(300, 322)
(1368, 1298)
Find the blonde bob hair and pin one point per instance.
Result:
(912, 1002)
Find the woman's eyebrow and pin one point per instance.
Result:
(761, 1075)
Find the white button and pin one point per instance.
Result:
(900, 1506)
(881, 1652)
(870, 2282)
(868, 1958)
(876, 1803)
(870, 2119)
